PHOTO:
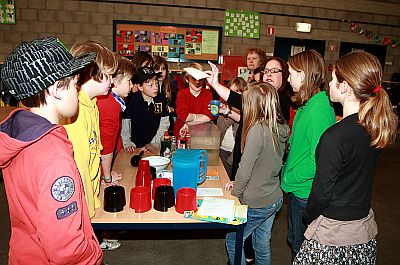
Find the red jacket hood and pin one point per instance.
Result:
(22, 128)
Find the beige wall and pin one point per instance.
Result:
(76, 20)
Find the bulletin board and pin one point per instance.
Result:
(239, 23)
(175, 42)
(7, 12)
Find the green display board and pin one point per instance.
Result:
(7, 12)
(243, 24)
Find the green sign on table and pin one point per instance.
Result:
(242, 24)
(7, 12)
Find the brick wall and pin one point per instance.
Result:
(76, 20)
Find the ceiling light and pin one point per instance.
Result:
(303, 27)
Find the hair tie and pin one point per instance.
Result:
(376, 89)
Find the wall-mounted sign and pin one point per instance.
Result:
(271, 30)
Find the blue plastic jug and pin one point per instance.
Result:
(188, 170)
(194, 153)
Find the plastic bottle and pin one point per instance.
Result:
(166, 145)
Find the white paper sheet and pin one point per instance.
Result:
(209, 192)
(217, 207)
(212, 177)
(196, 73)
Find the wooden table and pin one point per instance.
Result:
(4, 111)
(128, 219)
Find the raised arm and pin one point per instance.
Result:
(222, 91)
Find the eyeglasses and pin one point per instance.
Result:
(272, 71)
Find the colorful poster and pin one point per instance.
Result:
(176, 39)
(125, 49)
(125, 36)
(193, 35)
(156, 38)
(176, 52)
(193, 48)
(143, 36)
(242, 24)
(143, 48)
(210, 42)
(7, 12)
(159, 50)
(184, 43)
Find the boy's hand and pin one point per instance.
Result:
(229, 185)
(129, 149)
(184, 130)
(223, 109)
(170, 109)
(115, 177)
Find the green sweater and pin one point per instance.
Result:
(309, 124)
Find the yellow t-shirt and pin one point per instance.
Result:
(84, 134)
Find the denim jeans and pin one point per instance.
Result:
(259, 225)
(297, 227)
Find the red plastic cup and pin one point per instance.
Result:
(186, 200)
(143, 175)
(159, 182)
(140, 199)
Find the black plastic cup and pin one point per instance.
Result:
(136, 158)
(114, 199)
(153, 172)
(164, 198)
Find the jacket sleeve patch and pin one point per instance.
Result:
(66, 211)
(63, 188)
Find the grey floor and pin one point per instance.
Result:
(207, 247)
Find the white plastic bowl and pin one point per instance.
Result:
(159, 162)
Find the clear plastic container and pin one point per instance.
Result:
(206, 136)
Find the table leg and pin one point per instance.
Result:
(239, 244)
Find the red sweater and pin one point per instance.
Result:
(187, 103)
(110, 122)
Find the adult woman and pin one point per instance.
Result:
(255, 58)
(307, 76)
(339, 207)
(276, 72)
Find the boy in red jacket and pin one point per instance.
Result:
(49, 218)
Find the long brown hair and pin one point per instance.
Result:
(261, 104)
(312, 64)
(158, 62)
(363, 72)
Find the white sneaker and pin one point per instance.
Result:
(110, 245)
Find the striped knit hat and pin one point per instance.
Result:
(36, 65)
